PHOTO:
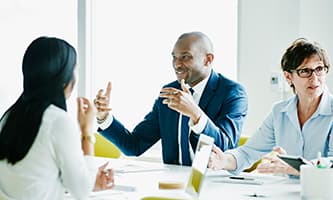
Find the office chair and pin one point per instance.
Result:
(105, 148)
(242, 140)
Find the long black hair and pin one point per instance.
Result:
(48, 67)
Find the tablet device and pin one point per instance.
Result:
(294, 161)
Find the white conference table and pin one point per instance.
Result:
(145, 176)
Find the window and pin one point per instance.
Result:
(132, 43)
(21, 22)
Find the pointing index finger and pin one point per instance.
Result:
(183, 85)
(108, 89)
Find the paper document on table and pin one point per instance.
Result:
(125, 188)
(108, 194)
(220, 173)
(266, 178)
(104, 194)
(137, 166)
(246, 178)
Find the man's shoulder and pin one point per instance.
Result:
(227, 83)
(173, 84)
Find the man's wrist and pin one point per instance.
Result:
(196, 118)
(199, 126)
(100, 121)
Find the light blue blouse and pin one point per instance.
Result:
(282, 128)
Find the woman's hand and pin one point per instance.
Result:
(220, 160)
(217, 159)
(104, 178)
(86, 114)
(272, 164)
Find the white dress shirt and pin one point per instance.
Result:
(196, 128)
(199, 127)
(54, 163)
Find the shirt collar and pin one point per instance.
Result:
(325, 103)
(199, 88)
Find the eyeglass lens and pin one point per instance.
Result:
(307, 72)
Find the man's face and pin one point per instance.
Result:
(189, 61)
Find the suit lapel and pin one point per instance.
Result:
(209, 91)
(205, 99)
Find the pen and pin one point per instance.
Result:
(320, 163)
(256, 195)
(241, 178)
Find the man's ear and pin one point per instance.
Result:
(209, 59)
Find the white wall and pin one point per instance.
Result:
(131, 47)
(316, 19)
(266, 29)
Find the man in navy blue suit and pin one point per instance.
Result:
(200, 101)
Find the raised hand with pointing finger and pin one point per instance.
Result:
(102, 102)
(217, 108)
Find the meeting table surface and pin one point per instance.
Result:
(135, 179)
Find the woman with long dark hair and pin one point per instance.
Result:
(40, 147)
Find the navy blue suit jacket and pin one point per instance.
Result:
(224, 102)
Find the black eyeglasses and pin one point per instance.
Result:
(307, 72)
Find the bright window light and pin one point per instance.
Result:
(22, 22)
(132, 43)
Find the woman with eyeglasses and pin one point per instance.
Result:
(299, 126)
